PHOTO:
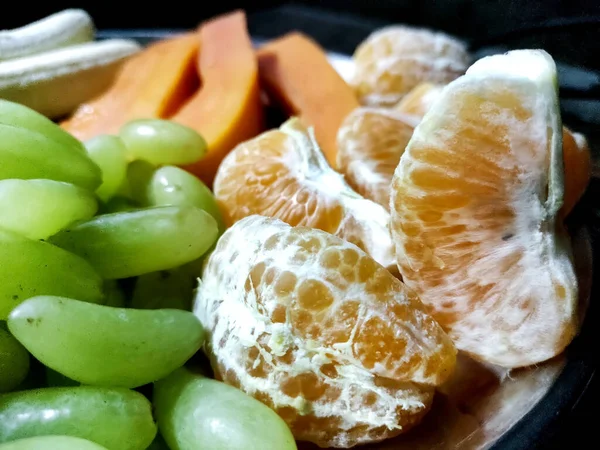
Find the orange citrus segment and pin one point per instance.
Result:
(418, 101)
(578, 168)
(312, 326)
(474, 205)
(370, 144)
(282, 173)
(393, 60)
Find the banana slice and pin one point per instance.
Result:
(65, 28)
(53, 83)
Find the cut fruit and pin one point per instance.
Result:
(370, 144)
(282, 173)
(227, 109)
(152, 84)
(313, 327)
(474, 209)
(297, 73)
(393, 60)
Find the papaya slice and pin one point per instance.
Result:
(152, 84)
(295, 72)
(227, 109)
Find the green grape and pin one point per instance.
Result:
(139, 174)
(27, 154)
(52, 442)
(174, 186)
(14, 362)
(113, 294)
(196, 413)
(128, 244)
(17, 115)
(158, 444)
(118, 419)
(40, 208)
(110, 154)
(37, 268)
(117, 204)
(162, 142)
(106, 346)
(57, 379)
(165, 289)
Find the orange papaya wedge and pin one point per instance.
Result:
(152, 84)
(295, 72)
(227, 109)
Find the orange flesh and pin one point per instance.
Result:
(329, 296)
(466, 213)
(227, 109)
(151, 84)
(296, 72)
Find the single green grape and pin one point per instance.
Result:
(106, 346)
(171, 185)
(14, 362)
(128, 244)
(139, 174)
(110, 154)
(17, 115)
(38, 209)
(162, 142)
(196, 413)
(118, 419)
(172, 288)
(57, 379)
(52, 442)
(113, 294)
(27, 154)
(37, 268)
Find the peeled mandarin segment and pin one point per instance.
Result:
(474, 205)
(419, 99)
(313, 327)
(227, 109)
(578, 168)
(283, 174)
(393, 60)
(152, 84)
(370, 144)
(296, 71)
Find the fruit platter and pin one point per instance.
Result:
(210, 241)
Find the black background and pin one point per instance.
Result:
(569, 29)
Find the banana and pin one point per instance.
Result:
(68, 27)
(53, 83)
(17, 115)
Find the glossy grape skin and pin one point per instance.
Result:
(171, 185)
(128, 244)
(106, 346)
(21, 116)
(162, 142)
(52, 442)
(38, 209)
(196, 413)
(14, 362)
(37, 268)
(110, 154)
(118, 419)
(28, 155)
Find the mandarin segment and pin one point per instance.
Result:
(370, 144)
(474, 213)
(283, 174)
(334, 343)
(418, 101)
(395, 59)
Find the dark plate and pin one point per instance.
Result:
(550, 423)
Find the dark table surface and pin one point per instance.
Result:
(568, 29)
